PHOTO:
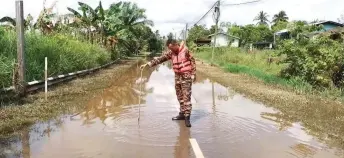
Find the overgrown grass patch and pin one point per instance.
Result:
(64, 54)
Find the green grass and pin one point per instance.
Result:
(64, 54)
(238, 56)
(236, 60)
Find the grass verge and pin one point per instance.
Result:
(64, 54)
(234, 60)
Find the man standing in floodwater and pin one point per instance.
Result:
(184, 66)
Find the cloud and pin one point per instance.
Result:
(174, 14)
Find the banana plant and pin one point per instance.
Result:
(11, 22)
(44, 20)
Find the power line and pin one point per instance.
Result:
(241, 3)
(206, 13)
(234, 4)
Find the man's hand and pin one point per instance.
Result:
(143, 66)
(193, 78)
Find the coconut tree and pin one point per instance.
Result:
(123, 21)
(132, 15)
(280, 17)
(262, 18)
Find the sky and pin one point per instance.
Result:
(172, 15)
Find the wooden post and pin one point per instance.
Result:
(46, 78)
(21, 87)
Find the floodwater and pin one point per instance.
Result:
(224, 123)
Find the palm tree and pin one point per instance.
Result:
(280, 16)
(124, 20)
(132, 15)
(262, 18)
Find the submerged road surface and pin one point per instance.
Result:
(224, 125)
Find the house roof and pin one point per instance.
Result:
(281, 31)
(329, 22)
(224, 34)
(317, 23)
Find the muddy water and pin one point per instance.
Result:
(225, 124)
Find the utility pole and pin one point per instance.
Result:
(217, 16)
(186, 32)
(20, 80)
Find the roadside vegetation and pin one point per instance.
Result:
(84, 38)
(307, 65)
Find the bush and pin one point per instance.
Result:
(319, 62)
(64, 55)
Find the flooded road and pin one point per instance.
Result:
(224, 123)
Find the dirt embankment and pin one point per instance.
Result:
(66, 98)
(322, 117)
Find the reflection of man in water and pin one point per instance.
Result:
(184, 66)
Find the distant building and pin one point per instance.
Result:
(328, 25)
(223, 40)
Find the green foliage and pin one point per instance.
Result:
(129, 25)
(64, 55)
(219, 29)
(280, 25)
(196, 32)
(237, 60)
(319, 62)
(251, 33)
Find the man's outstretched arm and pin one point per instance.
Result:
(166, 56)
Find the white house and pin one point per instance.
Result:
(224, 40)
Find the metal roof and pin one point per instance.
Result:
(281, 31)
(331, 22)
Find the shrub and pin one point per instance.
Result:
(319, 62)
